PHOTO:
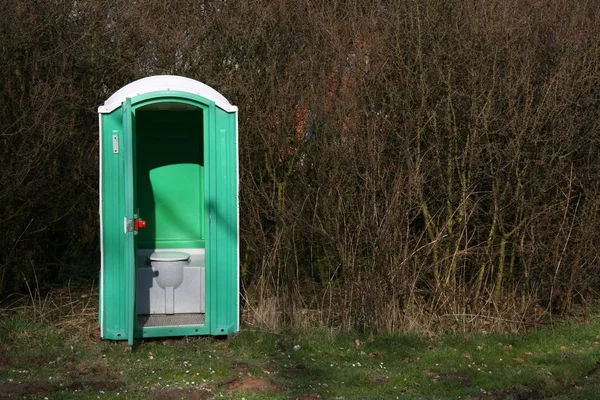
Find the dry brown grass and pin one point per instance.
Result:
(73, 312)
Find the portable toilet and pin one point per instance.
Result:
(169, 211)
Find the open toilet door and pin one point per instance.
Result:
(130, 219)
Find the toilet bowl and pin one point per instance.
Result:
(168, 268)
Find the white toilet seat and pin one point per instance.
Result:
(169, 256)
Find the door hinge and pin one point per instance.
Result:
(130, 225)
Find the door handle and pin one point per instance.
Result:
(134, 225)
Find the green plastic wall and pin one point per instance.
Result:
(170, 178)
(169, 153)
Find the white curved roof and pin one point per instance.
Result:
(165, 83)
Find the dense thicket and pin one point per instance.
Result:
(402, 162)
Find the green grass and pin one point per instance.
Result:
(556, 362)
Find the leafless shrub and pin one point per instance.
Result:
(404, 166)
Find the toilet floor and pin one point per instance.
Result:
(147, 321)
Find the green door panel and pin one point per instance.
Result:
(224, 224)
(129, 161)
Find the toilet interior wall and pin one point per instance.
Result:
(169, 153)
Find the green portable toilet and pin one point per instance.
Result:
(168, 211)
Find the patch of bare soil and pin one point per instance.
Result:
(95, 385)
(565, 356)
(7, 361)
(250, 384)
(312, 396)
(269, 366)
(511, 393)
(379, 380)
(452, 377)
(93, 377)
(294, 370)
(240, 367)
(22, 390)
(182, 394)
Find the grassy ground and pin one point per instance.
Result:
(60, 357)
